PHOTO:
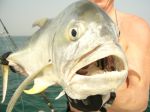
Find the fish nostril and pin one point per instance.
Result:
(49, 60)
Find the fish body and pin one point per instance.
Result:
(77, 50)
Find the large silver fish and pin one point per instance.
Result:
(77, 50)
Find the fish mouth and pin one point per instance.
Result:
(107, 64)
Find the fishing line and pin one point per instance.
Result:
(116, 17)
(49, 104)
(8, 36)
(3, 42)
(107, 5)
(117, 23)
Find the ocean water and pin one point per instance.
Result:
(30, 103)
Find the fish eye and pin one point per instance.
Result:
(75, 30)
(74, 34)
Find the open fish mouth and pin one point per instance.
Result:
(95, 75)
(106, 64)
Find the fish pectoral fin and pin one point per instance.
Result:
(38, 87)
(40, 22)
(62, 93)
(24, 84)
(5, 73)
(43, 81)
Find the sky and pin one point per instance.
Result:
(18, 15)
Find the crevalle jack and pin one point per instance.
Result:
(77, 50)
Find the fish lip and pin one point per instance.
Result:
(118, 52)
(76, 87)
(81, 86)
(106, 64)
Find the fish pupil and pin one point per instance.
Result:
(74, 33)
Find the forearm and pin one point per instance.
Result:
(131, 99)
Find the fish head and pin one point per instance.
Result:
(86, 52)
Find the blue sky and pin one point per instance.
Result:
(18, 15)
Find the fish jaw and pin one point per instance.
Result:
(80, 85)
(83, 86)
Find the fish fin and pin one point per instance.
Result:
(5, 72)
(38, 87)
(40, 22)
(60, 95)
(42, 82)
(23, 85)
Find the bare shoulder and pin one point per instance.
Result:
(137, 32)
(136, 28)
(135, 20)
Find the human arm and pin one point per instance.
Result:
(133, 95)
